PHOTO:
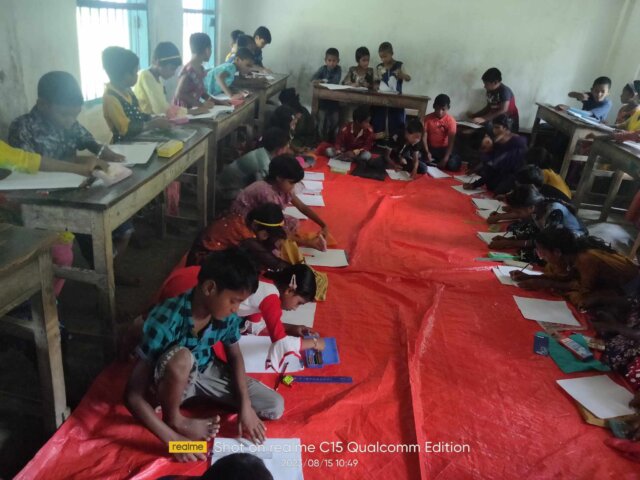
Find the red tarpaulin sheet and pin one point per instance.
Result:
(437, 349)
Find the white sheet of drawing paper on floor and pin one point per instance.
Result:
(487, 204)
(460, 188)
(303, 315)
(312, 185)
(282, 456)
(295, 213)
(467, 178)
(330, 258)
(600, 395)
(339, 166)
(255, 349)
(316, 176)
(503, 274)
(311, 200)
(550, 311)
(435, 172)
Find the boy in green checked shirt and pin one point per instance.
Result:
(176, 357)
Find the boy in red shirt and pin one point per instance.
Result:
(440, 134)
(355, 139)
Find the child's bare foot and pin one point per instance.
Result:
(197, 428)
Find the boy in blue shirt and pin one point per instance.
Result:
(595, 103)
(328, 110)
(176, 361)
(220, 78)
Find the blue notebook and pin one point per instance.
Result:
(328, 356)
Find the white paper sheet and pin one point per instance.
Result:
(311, 200)
(468, 124)
(484, 213)
(399, 175)
(339, 165)
(317, 176)
(135, 153)
(312, 185)
(600, 395)
(213, 113)
(486, 237)
(295, 213)
(255, 349)
(334, 86)
(591, 121)
(546, 311)
(502, 273)
(330, 258)
(116, 173)
(435, 172)
(282, 456)
(460, 188)
(303, 315)
(41, 181)
(631, 144)
(487, 204)
(467, 178)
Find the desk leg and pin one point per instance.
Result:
(262, 109)
(586, 180)
(203, 186)
(314, 104)
(568, 154)
(534, 131)
(212, 167)
(103, 265)
(616, 181)
(46, 332)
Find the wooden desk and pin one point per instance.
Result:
(264, 91)
(26, 273)
(566, 124)
(623, 159)
(99, 210)
(370, 97)
(220, 127)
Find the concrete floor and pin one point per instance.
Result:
(21, 435)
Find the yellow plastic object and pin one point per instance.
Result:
(170, 148)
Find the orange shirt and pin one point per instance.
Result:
(439, 129)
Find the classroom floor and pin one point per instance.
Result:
(437, 349)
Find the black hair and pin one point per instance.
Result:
(166, 53)
(60, 88)
(362, 52)
(361, 113)
(332, 52)
(199, 42)
(503, 121)
(539, 156)
(275, 138)
(414, 126)
(442, 100)
(271, 214)
(230, 269)
(563, 239)
(530, 175)
(282, 117)
(476, 138)
(286, 167)
(238, 466)
(118, 62)
(289, 96)
(246, 41)
(492, 75)
(525, 195)
(235, 34)
(244, 53)
(305, 280)
(385, 47)
(263, 33)
(602, 81)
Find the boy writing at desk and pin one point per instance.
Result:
(500, 101)
(176, 359)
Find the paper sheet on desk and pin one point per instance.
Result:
(591, 121)
(41, 181)
(334, 86)
(546, 311)
(116, 173)
(213, 113)
(281, 456)
(600, 395)
(138, 153)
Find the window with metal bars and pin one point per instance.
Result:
(198, 16)
(101, 24)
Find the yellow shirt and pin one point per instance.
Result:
(633, 122)
(150, 93)
(553, 179)
(19, 160)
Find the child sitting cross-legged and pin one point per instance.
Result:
(409, 153)
(355, 139)
(176, 361)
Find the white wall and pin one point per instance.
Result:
(545, 48)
